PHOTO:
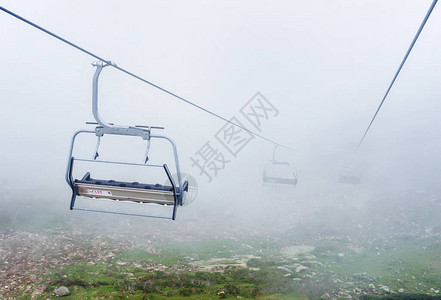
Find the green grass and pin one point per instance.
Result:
(112, 281)
(411, 265)
(406, 296)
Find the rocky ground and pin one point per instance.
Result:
(386, 248)
(28, 257)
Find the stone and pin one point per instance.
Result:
(62, 291)
(301, 269)
(284, 269)
(385, 288)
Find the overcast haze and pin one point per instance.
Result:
(325, 65)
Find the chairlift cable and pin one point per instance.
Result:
(432, 6)
(110, 63)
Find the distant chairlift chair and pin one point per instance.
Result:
(280, 173)
(348, 175)
(169, 195)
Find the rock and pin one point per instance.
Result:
(401, 290)
(284, 269)
(344, 295)
(326, 296)
(302, 269)
(62, 291)
(385, 288)
(312, 262)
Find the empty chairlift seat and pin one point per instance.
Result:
(350, 176)
(91, 188)
(280, 173)
(125, 191)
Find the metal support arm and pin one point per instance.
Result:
(103, 126)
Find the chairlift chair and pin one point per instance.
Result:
(280, 173)
(349, 176)
(92, 188)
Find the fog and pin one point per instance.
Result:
(324, 65)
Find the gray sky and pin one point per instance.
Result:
(325, 65)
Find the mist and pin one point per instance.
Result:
(323, 66)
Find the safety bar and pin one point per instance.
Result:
(175, 196)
